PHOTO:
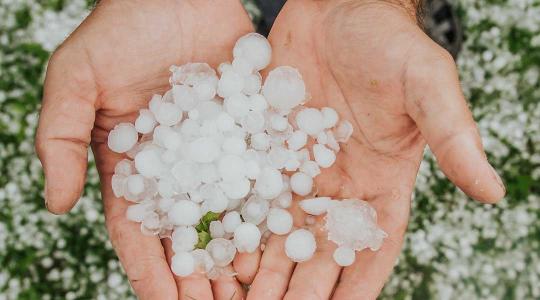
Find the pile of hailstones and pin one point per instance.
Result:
(211, 160)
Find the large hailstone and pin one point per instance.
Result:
(255, 49)
(300, 245)
(352, 223)
(247, 237)
(284, 88)
(122, 138)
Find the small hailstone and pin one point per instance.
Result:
(230, 221)
(165, 204)
(353, 223)
(208, 173)
(124, 167)
(253, 122)
(255, 210)
(279, 221)
(278, 156)
(260, 141)
(135, 184)
(323, 156)
(182, 264)
(148, 163)
(330, 117)
(242, 66)
(122, 138)
(284, 88)
(247, 237)
(269, 183)
(154, 103)
(331, 141)
(204, 150)
(206, 89)
(193, 114)
(184, 238)
(224, 67)
(252, 169)
(222, 251)
(343, 131)
(185, 212)
(236, 105)
(169, 114)
(190, 128)
(310, 120)
(185, 174)
(230, 83)
(224, 122)
(257, 102)
(279, 123)
(118, 183)
(237, 188)
(137, 212)
(301, 183)
(300, 245)
(284, 200)
(252, 84)
(231, 167)
(297, 140)
(254, 48)
(209, 110)
(344, 256)
(216, 229)
(322, 138)
(311, 168)
(145, 122)
(203, 261)
(191, 73)
(184, 96)
(316, 206)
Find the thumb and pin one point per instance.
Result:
(64, 130)
(434, 100)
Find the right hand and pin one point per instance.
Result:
(102, 75)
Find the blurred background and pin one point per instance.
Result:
(455, 248)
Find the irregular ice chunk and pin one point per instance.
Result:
(182, 264)
(137, 212)
(316, 206)
(185, 212)
(118, 183)
(344, 131)
(344, 256)
(300, 245)
(284, 88)
(254, 48)
(191, 73)
(352, 223)
(301, 183)
(122, 138)
(124, 167)
(247, 237)
(323, 156)
(279, 221)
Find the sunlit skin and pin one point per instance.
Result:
(102, 75)
(371, 62)
(366, 59)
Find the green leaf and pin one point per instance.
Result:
(204, 238)
(204, 225)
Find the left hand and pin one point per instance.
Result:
(371, 62)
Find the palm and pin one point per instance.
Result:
(360, 59)
(102, 75)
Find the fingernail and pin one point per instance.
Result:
(498, 178)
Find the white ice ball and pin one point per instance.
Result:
(284, 88)
(184, 96)
(301, 183)
(330, 117)
(300, 245)
(297, 140)
(204, 150)
(269, 183)
(145, 122)
(344, 256)
(216, 229)
(148, 163)
(230, 83)
(316, 206)
(169, 114)
(122, 138)
(323, 156)
(254, 48)
(183, 264)
(279, 221)
(185, 212)
(230, 221)
(310, 120)
(222, 251)
(184, 238)
(247, 237)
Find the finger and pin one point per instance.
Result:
(275, 270)
(146, 267)
(435, 102)
(195, 286)
(246, 265)
(65, 123)
(365, 278)
(226, 287)
(315, 278)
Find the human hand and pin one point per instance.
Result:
(102, 75)
(371, 62)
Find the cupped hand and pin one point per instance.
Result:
(102, 75)
(371, 62)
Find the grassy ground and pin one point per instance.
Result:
(456, 248)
